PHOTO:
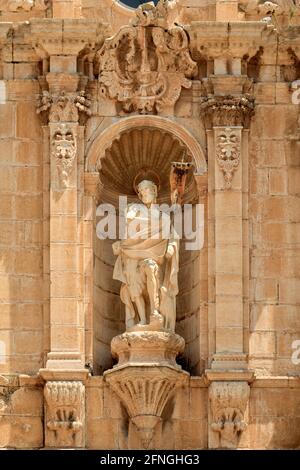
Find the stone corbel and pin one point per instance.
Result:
(229, 394)
(65, 401)
(146, 377)
(64, 404)
(228, 403)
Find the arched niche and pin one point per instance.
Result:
(113, 159)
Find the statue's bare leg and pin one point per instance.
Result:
(129, 308)
(152, 276)
(140, 305)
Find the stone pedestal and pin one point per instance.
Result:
(146, 376)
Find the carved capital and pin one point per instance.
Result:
(64, 410)
(228, 151)
(61, 102)
(227, 110)
(228, 401)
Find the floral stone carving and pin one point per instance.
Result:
(228, 402)
(64, 107)
(228, 152)
(64, 413)
(64, 149)
(145, 65)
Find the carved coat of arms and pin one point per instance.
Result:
(145, 65)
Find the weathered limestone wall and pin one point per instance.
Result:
(56, 289)
(22, 295)
(274, 225)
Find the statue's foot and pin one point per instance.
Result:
(142, 323)
(156, 318)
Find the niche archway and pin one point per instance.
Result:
(115, 157)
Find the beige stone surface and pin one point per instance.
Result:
(218, 89)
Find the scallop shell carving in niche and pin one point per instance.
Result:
(136, 151)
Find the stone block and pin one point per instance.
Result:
(28, 207)
(21, 432)
(29, 180)
(289, 291)
(6, 206)
(63, 228)
(7, 123)
(103, 434)
(27, 122)
(29, 262)
(64, 257)
(266, 289)
(278, 182)
(65, 284)
(294, 181)
(27, 342)
(65, 337)
(262, 344)
(229, 339)
(64, 202)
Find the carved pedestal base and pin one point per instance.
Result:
(146, 376)
(144, 347)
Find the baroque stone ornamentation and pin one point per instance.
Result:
(139, 346)
(65, 107)
(144, 66)
(26, 5)
(64, 148)
(270, 8)
(228, 402)
(146, 376)
(228, 152)
(227, 110)
(64, 412)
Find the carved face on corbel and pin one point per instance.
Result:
(228, 153)
(64, 152)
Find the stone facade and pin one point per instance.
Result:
(90, 92)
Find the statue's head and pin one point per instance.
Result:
(147, 191)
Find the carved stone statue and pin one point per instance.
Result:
(147, 264)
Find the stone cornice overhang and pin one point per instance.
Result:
(214, 39)
(51, 36)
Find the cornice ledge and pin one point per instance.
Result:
(229, 375)
(64, 374)
(65, 36)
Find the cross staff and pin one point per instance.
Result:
(178, 175)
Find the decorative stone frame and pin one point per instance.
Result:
(94, 154)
